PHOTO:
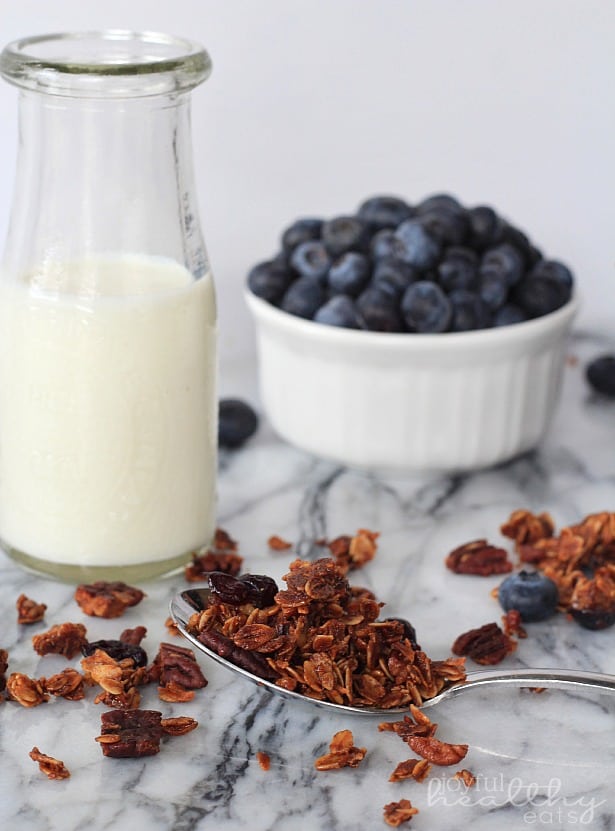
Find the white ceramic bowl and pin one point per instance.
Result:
(451, 402)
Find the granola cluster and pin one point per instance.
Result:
(322, 638)
(580, 560)
(221, 556)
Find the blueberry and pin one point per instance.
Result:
(426, 308)
(237, 421)
(509, 313)
(302, 230)
(310, 259)
(439, 201)
(269, 280)
(339, 310)
(469, 311)
(533, 595)
(601, 375)
(547, 287)
(379, 310)
(303, 297)
(520, 241)
(422, 250)
(485, 227)
(505, 260)
(393, 276)
(349, 274)
(386, 243)
(458, 269)
(345, 233)
(447, 226)
(384, 211)
(493, 288)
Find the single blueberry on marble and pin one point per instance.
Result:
(531, 593)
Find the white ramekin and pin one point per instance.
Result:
(451, 402)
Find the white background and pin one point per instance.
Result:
(315, 104)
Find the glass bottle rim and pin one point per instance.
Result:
(110, 63)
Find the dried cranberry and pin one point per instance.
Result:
(118, 650)
(261, 589)
(594, 619)
(409, 631)
(227, 588)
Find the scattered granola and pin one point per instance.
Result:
(177, 672)
(107, 599)
(511, 622)
(580, 561)
(221, 556)
(486, 645)
(353, 552)
(62, 639)
(25, 690)
(52, 768)
(440, 753)
(417, 769)
(396, 813)
(342, 753)
(119, 679)
(263, 759)
(68, 684)
(323, 639)
(416, 724)
(479, 558)
(178, 726)
(29, 611)
(171, 627)
(466, 776)
(276, 543)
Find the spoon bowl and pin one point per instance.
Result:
(187, 602)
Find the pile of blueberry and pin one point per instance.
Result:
(433, 267)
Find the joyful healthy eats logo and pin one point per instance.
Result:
(541, 803)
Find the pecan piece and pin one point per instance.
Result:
(4, 663)
(67, 684)
(178, 726)
(107, 599)
(486, 645)
(52, 768)
(396, 813)
(479, 558)
(178, 673)
(133, 636)
(25, 691)
(342, 753)
(29, 611)
(63, 639)
(417, 769)
(440, 753)
(130, 733)
(224, 647)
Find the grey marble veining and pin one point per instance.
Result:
(543, 760)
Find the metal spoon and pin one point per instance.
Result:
(184, 604)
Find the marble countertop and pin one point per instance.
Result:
(540, 760)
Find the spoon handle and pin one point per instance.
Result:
(534, 677)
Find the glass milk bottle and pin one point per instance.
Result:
(108, 408)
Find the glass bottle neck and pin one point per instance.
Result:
(98, 176)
